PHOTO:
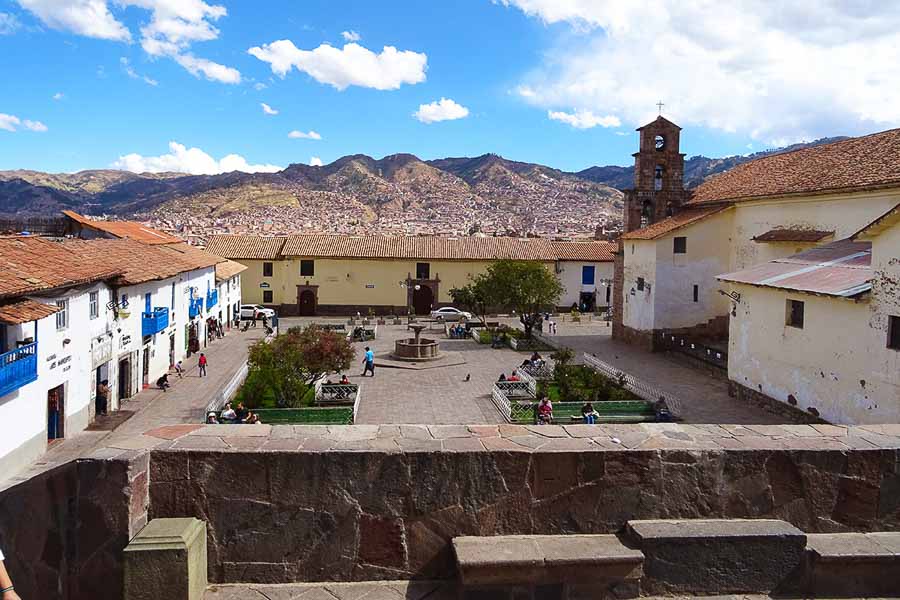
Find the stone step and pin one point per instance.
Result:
(499, 563)
(718, 555)
(854, 564)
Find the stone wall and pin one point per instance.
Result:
(365, 509)
(63, 531)
(769, 404)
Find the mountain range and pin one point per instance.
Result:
(398, 193)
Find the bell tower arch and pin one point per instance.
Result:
(658, 175)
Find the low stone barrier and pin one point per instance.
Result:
(167, 559)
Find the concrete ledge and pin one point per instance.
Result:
(167, 559)
(853, 564)
(532, 564)
(718, 555)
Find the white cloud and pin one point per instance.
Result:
(268, 109)
(9, 24)
(173, 27)
(315, 161)
(129, 70)
(58, 96)
(444, 109)
(259, 86)
(300, 135)
(351, 65)
(195, 161)
(90, 18)
(782, 71)
(12, 123)
(583, 119)
(351, 36)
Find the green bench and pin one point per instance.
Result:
(616, 411)
(336, 415)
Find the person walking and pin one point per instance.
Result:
(202, 364)
(179, 369)
(7, 589)
(369, 361)
(102, 397)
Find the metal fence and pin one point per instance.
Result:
(513, 400)
(708, 354)
(634, 385)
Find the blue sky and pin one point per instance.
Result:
(83, 89)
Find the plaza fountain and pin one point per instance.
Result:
(417, 348)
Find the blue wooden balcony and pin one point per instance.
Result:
(17, 368)
(212, 298)
(154, 322)
(195, 308)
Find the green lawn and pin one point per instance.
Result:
(342, 415)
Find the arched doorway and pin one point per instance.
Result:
(307, 303)
(422, 300)
(307, 300)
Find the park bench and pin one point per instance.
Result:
(589, 566)
(333, 326)
(337, 393)
(615, 411)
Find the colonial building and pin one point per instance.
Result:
(781, 210)
(75, 313)
(309, 275)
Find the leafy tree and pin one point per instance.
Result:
(474, 296)
(528, 288)
(288, 365)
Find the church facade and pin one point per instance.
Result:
(682, 268)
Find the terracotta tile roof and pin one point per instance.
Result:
(841, 268)
(585, 251)
(249, 247)
(427, 248)
(125, 229)
(23, 311)
(885, 221)
(191, 254)
(137, 262)
(33, 264)
(670, 224)
(793, 235)
(867, 162)
(228, 269)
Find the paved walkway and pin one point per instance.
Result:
(704, 398)
(182, 403)
(433, 396)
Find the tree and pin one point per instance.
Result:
(288, 365)
(526, 287)
(474, 296)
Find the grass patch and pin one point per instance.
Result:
(339, 415)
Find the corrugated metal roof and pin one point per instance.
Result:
(839, 269)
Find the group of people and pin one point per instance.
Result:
(543, 412)
(344, 381)
(535, 362)
(229, 416)
(514, 376)
(457, 332)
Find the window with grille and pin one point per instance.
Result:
(62, 317)
(94, 304)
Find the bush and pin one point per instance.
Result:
(577, 383)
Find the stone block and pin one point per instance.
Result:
(853, 564)
(167, 559)
(546, 566)
(718, 556)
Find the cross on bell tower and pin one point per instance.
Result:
(658, 175)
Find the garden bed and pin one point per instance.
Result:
(329, 415)
(628, 411)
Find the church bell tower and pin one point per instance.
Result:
(658, 176)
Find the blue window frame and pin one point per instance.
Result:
(587, 275)
(147, 299)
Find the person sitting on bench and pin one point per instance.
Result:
(589, 413)
(228, 415)
(545, 411)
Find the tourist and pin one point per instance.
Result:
(513, 376)
(265, 320)
(253, 419)
(228, 415)
(545, 411)
(7, 590)
(345, 380)
(201, 362)
(211, 419)
(536, 359)
(241, 414)
(163, 382)
(502, 377)
(589, 413)
(179, 370)
(102, 397)
(369, 361)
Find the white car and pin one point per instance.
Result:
(248, 311)
(448, 313)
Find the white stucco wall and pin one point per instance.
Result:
(640, 261)
(569, 274)
(838, 363)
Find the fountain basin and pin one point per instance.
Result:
(417, 349)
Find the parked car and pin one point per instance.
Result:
(448, 313)
(249, 311)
